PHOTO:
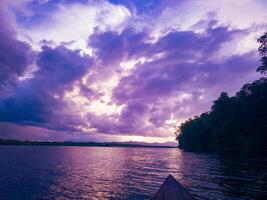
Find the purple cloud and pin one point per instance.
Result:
(112, 47)
(39, 100)
(187, 58)
(15, 56)
(141, 78)
(188, 66)
(61, 67)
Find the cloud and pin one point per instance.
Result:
(191, 11)
(119, 69)
(39, 100)
(187, 74)
(185, 54)
(73, 21)
(111, 47)
(37, 133)
(15, 55)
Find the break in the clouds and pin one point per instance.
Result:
(120, 70)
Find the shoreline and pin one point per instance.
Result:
(78, 144)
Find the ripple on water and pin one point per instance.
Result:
(124, 173)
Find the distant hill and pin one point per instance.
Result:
(168, 144)
(99, 144)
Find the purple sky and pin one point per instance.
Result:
(120, 70)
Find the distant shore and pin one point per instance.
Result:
(85, 144)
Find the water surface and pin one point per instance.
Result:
(40, 172)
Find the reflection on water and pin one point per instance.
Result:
(124, 173)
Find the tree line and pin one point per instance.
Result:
(235, 125)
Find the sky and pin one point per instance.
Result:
(120, 70)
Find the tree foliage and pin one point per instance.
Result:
(235, 125)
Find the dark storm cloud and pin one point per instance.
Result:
(39, 100)
(15, 56)
(61, 67)
(188, 45)
(111, 47)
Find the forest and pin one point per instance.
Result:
(235, 125)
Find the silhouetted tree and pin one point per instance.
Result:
(235, 125)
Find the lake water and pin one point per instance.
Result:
(40, 172)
